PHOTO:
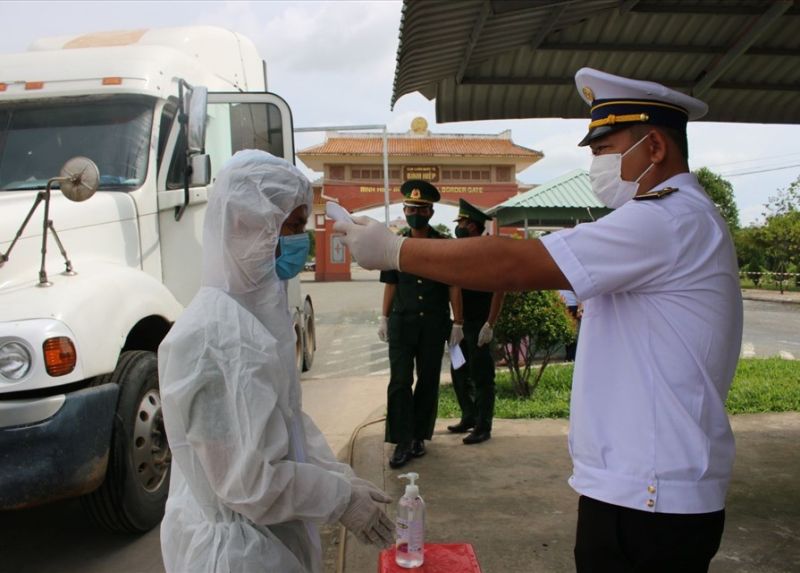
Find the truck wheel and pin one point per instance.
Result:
(298, 341)
(309, 334)
(134, 493)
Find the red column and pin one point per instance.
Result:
(333, 258)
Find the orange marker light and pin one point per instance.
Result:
(59, 356)
(34, 85)
(112, 81)
(3, 87)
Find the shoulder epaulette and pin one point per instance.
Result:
(655, 194)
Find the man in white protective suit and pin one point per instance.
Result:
(252, 476)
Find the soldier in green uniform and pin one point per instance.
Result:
(474, 382)
(416, 323)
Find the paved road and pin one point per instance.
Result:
(346, 315)
(771, 329)
(59, 538)
(347, 323)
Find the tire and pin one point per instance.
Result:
(298, 341)
(309, 335)
(132, 497)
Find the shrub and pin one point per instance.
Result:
(532, 324)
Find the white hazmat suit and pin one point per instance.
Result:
(252, 475)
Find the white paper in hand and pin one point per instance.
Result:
(337, 212)
(456, 356)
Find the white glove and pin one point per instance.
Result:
(377, 493)
(368, 522)
(486, 334)
(383, 329)
(372, 245)
(456, 334)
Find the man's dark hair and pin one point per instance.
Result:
(677, 137)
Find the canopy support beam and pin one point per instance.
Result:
(477, 28)
(773, 13)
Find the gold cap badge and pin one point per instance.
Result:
(587, 91)
(415, 194)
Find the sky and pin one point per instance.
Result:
(334, 64)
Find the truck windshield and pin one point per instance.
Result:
(38, 137)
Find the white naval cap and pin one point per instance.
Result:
(617, 102)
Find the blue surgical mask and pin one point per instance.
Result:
(294, 252)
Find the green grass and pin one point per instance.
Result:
(765, 385)
(760, 385)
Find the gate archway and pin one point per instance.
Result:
(480, 168)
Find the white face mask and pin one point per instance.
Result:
(605, 175)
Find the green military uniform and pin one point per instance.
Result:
(473, 383)
(418, 326)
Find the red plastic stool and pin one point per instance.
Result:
(439, 558)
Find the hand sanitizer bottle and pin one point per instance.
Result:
(410, 525)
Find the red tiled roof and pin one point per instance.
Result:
(429, 146)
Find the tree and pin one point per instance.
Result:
(750, 247)
(782, 237)
(444, 230)
(785, 201)
(721, 193)
(531, 324)
(781, 231)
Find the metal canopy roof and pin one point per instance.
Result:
(504, 59)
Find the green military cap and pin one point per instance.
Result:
(418, 192)
(467, 211)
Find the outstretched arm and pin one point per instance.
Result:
(507, 264)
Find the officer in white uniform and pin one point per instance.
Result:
(649, 436)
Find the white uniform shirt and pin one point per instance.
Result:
(660, 339)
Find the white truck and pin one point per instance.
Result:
(89, 289)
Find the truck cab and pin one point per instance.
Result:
(158, 112)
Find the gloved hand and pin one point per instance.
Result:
(368, 522)
(377, 493)
(372, 245)
(383, 329)
(456, 334)
(486, 334)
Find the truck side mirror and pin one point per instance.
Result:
(193, 116)
(197, 109)
(79, 179)
(201, 170)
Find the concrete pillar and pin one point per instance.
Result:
(333, 258)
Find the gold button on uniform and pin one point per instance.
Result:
(651, 489)
(650, 503)
(420, 298)
(419, 281)
(422, 314)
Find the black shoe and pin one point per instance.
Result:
(418, 448)
(461, 428)
(476, 437)
(401, 456)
